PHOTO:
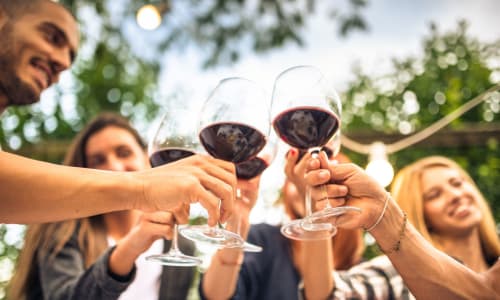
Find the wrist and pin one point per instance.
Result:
(229, 258)
(381, 214)
(231, 263)
(388, 232)
(120, 263)
(133, 190)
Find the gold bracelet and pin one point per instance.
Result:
(397, 245)
(381, 214)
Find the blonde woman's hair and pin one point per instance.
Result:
(47, 240)
(407, 191)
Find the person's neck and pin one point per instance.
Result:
(467, 249)
(119, 223)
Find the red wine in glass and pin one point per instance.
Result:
(251, 168)
(306, 127)
(174, 257)
(234, 142)
(306, 114)
(233, 126)
(168, 155)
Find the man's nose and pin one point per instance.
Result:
(60, 60)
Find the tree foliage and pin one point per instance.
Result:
(453, 69)
(111, 74)
(118, 64)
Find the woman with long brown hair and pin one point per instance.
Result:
(101, 257)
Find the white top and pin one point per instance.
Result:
(146, 285)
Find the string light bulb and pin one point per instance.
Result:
(149, 16)
(379, 168)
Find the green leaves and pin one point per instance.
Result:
(453, 69)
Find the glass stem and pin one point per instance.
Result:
(325, 194)
(237, 215)
(174, 248)
(308, 201)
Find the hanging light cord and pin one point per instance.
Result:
(424, 133)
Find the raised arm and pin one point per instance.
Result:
(316, 256)
(427, 272)
(151, 227)
(33, 191)
(220, 280)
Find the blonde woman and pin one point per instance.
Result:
(440, 207)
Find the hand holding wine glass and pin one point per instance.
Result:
(234, 125)
(175, 142)
(306, 115)
(247, 190)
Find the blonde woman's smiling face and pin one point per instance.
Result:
(450, 202)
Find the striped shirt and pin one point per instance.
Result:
(373, 279)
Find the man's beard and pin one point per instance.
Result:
(16, 91)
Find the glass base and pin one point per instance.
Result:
(296, 231)
(328, 216)
(247, 247)
(178, 260)
(216, 237)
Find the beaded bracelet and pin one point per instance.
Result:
(381, 214)
(397, 245)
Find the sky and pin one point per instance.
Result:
(396, 30)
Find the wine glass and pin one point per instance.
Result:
(306, 114)
(173, 141)
(234, 125)
(255, 166)
(252, 168)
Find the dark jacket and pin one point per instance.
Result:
(65, 276)
(270, 274)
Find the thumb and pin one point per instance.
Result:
(342, 172)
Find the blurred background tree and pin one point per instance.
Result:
(117, 70)
(453, 69)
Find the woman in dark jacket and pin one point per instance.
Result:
(102, 257)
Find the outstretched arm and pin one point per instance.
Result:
(32, 191)
(428, 272)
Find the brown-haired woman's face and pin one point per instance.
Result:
(115, 149)
(450, 202)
